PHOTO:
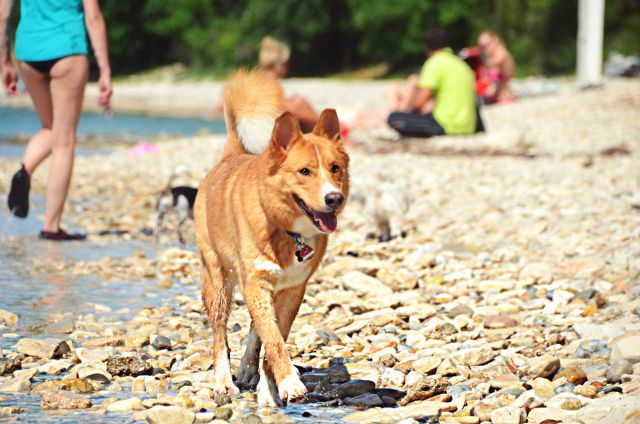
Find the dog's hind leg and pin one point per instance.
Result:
(248, 369)
(216, 295)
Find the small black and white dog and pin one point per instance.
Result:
(179, 198)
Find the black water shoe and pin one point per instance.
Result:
(61, 235)
(18, 200)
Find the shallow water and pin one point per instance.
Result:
(37, 298)
(122, 127)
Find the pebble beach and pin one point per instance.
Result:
(509, 291)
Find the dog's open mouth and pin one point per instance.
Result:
(324, 221)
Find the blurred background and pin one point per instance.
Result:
(359, 38)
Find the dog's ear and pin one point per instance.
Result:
(328, 125)
(285, 131)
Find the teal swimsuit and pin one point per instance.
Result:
(50, 30)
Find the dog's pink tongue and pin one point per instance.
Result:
(327, 221)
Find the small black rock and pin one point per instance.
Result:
(610, 389)
(161, 343)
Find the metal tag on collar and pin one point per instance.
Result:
(304, 252)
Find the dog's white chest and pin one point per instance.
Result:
(293, 275)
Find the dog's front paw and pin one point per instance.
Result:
(292, 389)
(228, 389)
(267, 393)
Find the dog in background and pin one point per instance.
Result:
(385, 207)
(263, 216)
(177, 196)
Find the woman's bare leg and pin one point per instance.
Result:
(68, 81)
(39, 146)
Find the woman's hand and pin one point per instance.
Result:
(105, 90)
(10, 79)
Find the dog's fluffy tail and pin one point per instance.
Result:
(252, 102)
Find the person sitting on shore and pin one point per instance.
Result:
(274, 62)
(443, 99)
(498, 69)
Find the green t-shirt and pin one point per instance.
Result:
(453, 85)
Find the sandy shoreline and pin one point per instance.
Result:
(196, 99)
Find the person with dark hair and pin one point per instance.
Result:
(443, 99)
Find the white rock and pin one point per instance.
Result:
(626, 347)
(538, 415)
(171, 415)
(392, 378)
(55, 367)
(608, 330)
(567, 401)
(393, 415)
(508, 415)
(126, 405)
(375, 356)
(415, 338)
(43, 348)
(363, 285)
(427, 364)
(473, 356)
(496, 285)
(94, 374)
(612, 408)
(412, 378)
(18, 384)
(90, 356)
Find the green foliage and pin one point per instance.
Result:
(392, 31)
(331, 36)
(622, 26)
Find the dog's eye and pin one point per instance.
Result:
(305, 171)
(335, 169)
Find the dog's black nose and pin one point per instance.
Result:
(334, 199)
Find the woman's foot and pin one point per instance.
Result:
(18, 200)
(61, 235)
